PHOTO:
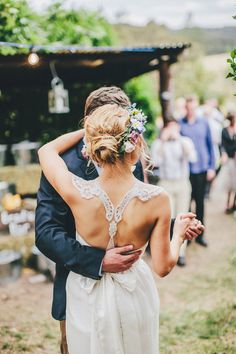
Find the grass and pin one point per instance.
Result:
(195, 330)
(41, 338)
(13, 341)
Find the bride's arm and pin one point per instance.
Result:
(64, 142)
(164, 252)
(53, 166)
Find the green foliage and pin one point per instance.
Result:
(141, 90)
(232, 62)
(18, 24)
(76, 27)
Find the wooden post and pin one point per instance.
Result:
(165, 90)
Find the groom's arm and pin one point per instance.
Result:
(53, 224)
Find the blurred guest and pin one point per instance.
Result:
(215, 120)
(229, 157)
(180, 108)
(171, 153)
(198, 130)
(211, 106)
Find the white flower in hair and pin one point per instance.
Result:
(137, 125)
(134, 129)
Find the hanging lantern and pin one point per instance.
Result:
(58, 99)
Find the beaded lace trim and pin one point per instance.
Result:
(90, 189)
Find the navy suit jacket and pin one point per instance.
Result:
(55, 231)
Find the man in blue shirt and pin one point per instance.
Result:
(198, 130)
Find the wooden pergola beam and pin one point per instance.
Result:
(104, 65)
(165, 92)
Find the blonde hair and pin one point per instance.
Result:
(103, 133)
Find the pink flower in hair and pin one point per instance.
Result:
(134, 137)
(84, 152)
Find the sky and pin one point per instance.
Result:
(173, 13)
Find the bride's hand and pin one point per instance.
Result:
(195, 229)
(181, 225)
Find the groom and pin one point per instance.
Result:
(55, 226)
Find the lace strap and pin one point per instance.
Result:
(132, 193)
(109, 207)
(140, 191)
(85, 188)
(149, 191)
(90, 189)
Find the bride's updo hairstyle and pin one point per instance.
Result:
(104, 129)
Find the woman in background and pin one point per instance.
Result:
(229, 158)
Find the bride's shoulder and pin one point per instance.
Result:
(85, 187)
(149, 191)
(76, 179)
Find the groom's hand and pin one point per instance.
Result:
(116, 260)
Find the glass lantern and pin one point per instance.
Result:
(58, 98)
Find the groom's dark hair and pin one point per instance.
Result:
(105, 95)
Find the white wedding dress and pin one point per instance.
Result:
(118, 314)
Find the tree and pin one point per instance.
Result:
(232, 63)
(142, 90)
(76, 27)
(18, 23)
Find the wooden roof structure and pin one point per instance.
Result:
(100, 65)
(105, 65)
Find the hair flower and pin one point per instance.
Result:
(134, 129)
(84, 152)
(134, 137)
(129, 138)
(129, 147)
(137, 125)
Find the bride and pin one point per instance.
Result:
(119, 313)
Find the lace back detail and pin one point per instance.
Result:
(87, 190)
(90, 189)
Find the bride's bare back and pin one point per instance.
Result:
(120, 218)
